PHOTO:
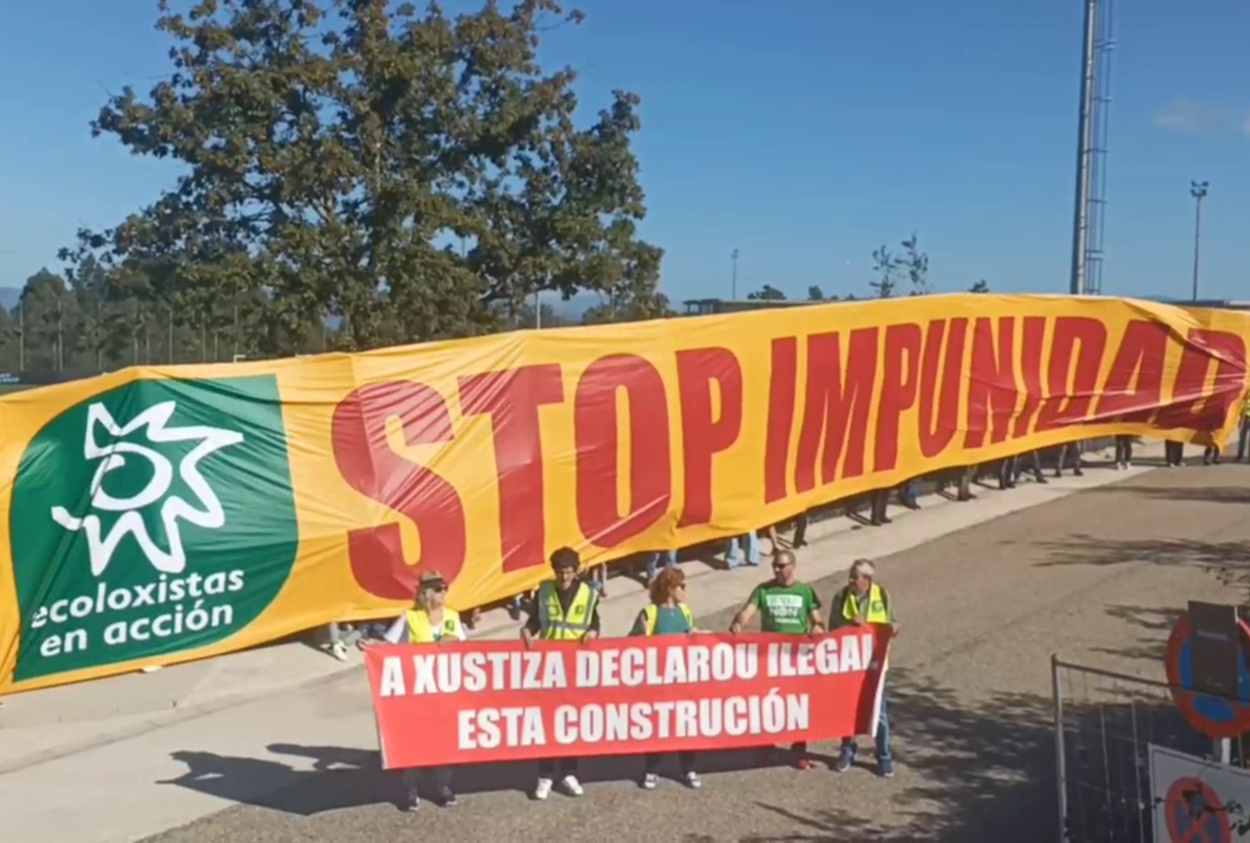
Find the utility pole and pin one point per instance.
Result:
(733, 282)
(1084, 151)
(1198, 190)
(538, 313)
(21, 334)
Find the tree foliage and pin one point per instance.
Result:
(767, 293)
(912, 265)
(401, 176)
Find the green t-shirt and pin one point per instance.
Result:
(785, 608)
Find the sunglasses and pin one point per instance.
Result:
(440, 589)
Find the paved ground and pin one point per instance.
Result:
(1091, 576)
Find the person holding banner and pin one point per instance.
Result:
(429, 621)
(862, 601)
(565, 609)
(786, 606)
(667, 614)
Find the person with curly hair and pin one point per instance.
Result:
(667, 614)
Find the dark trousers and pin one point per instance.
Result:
(1069, 455)
(877, 507)
(1174, 452)
(800, 530)
(548, 766)
(1123, 450)
(1243, 439)
(1210, 454)
(685, 759)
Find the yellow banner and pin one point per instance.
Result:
(157, 515)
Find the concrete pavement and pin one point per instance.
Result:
(251, 727)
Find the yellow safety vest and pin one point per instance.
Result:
(420, 631)
(555, 626)
(653, 616)
(878, 605)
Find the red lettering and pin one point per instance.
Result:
(781, 388)
(1072, 393)
(899, 385)
(1033, 339)
(371, 467)
(939, 405)
(992, 387)
(1134, 386)
(704, 433)
(837, 405)
(511, 398)
(1192, 406)
(596, 434)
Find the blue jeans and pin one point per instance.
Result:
(653, 561)
(752, 544)
(850, 746)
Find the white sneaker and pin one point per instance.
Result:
(543, 790)
(570, 785)
(693, 781)
(339, 650)
(649, 781)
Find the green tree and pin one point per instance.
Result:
(886, 266)
(981, 286)
(627, 308)
(335, 148)
(915, 264)
(767, 293)
(814, 293)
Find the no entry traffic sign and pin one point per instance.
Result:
(1195, 814)
(1214, 717)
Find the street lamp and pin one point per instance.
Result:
(1198, 190)
(733, 282)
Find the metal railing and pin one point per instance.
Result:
(1104, 725)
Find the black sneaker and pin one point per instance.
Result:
(447, 796)
(412, 801)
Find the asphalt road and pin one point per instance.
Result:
(1093, 577)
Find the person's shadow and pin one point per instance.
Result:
(340, 778)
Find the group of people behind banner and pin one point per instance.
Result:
(566, 608)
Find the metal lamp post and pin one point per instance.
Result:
(1198, 190)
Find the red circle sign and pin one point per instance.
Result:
(1210, 716)
(1195, 813)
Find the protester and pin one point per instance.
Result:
(787, 606)
(667, 614)
(744, 548)
(1123, 452)
(652, 562)
(862, 601)
(429, 621)
(1174, 453)
(1243, 432)
(565, 609)
(1073, 450)
(336, 640)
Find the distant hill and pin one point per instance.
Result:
(9, 297)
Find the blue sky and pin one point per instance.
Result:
(804, 135)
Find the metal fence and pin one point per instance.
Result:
(1104, 724)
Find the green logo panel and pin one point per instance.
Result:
(154, 518)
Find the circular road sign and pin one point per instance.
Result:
(1210, 716)
(1194, 813)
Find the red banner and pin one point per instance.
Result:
(500, 701)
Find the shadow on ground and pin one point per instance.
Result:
(973, 771)
(1228, 562)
